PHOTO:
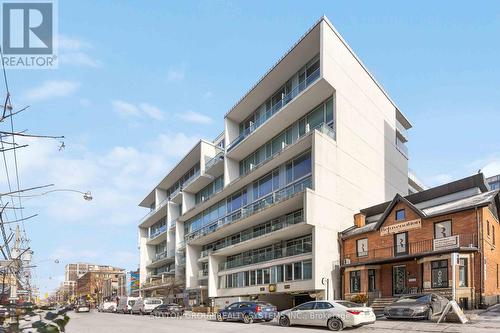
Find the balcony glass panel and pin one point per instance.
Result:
(281, 98)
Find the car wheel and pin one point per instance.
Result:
(284, 321)
(219, 317)
(247, 319)
(334, 324)
(430, 313)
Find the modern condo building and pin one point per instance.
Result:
(256, 212)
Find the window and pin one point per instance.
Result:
(463, 278)
(267, 278)
(442, 229)
(439, 274)
(488, 227)
(322, 306)
(307, 270)
(355, 281)
(305, 306)
(288, 272)
(400, 215)
(297, 270)
(362, 247)
(371, 280)
(401, 244)
(252, 278)
(493, 234)
(279, 273)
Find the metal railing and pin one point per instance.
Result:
(211, 162)
(400, 128)
(191, 179)
(253, 208)
(418, 247)
(202, 274)
(276, 107)
(284, 252)
(401, 146)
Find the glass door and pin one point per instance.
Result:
(398, 280)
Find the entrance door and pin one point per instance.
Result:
(398, 280)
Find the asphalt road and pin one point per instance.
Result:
(95, 322)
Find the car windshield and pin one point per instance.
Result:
(414, 299)
(348, 304)
(131, 303)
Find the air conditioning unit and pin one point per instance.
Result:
(347, 261)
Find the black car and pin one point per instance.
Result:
(168, 310)
(419, 306)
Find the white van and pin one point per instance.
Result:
(146, 305)
(107, 307)
(125, 304)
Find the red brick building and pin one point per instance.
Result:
(405, 246)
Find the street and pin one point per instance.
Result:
(95, 322)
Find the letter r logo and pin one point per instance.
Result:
(27, 28)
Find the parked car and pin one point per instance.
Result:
(107, 307)
(82, 308)
(125, 304)
(4, 313)
(168, 310)
(248, 312)
(335, 315)
(419, 306)
(145, 305)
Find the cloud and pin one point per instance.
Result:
(176, 74)
(128, 110)
(195, 117)
(207, 95)
(439, 179)
(492, 168)
(52, 89)
(73, 51)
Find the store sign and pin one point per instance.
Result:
(400, 227)
(446, 243)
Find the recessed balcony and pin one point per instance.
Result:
(154, 215)
(161, 259)
(215, 166)
(158, 236)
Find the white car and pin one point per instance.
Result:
(336, 315)
(107, 307)
(82, 308)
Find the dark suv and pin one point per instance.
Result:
(248, 312)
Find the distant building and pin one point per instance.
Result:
(95, 286)
(493, 182)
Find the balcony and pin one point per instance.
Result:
(171, 224)
(197, 182)
(414, 249)
(215, 165)
(176, 196)
(401, 146)
(161, 259)
(285, 252)
(203, 274)
(401, 131)
(276, 108)
(157, 236)
(146, 221)
(253, 208)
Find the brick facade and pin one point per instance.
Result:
(475, 243)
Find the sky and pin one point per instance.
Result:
(140, 82)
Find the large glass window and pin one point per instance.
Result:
(371, 280)
(297, 271)
(362, 247)
(355, 281)
(307, 267)
(288, 272)
(439, 274)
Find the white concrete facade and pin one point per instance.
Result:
(332, 142)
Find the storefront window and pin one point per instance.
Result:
(463, 280)
(442, 229)
(439, 274)
(355, 281)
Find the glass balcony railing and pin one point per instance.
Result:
(400, 128)
(152, 211)
(211, 162)
(401, 146)
(163, 255)
(276, 107)
(267, 256)
(203, 274)
(191, 179)
(158, 232)
(253, 208)
(254, 232)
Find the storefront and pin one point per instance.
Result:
(406, 246)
